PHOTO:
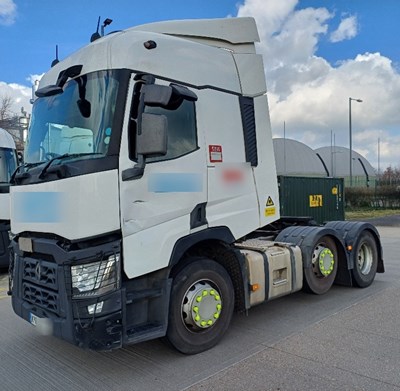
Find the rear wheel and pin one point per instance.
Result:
(201, 306)
(324, 263)
(365, 260)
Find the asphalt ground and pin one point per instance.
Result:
(355, 348)
(347, 339)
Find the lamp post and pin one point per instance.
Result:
(350, 138)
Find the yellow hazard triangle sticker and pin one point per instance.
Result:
(270, 209)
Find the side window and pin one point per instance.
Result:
(182, 134)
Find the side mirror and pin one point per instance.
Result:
(152, 141)
(50, 90)
(84, 107)
(169, 97)
(156, 95)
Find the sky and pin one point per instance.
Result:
(317, 54)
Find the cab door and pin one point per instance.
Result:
(162, 202)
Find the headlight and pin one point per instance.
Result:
(97, 278)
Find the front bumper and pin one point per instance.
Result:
(42, 294)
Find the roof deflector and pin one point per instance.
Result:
(232, 30)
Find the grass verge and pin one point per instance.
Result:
(370, 213)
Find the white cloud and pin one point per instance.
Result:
(270, 14)
(8, 12)
(19, 94)
(347, 29)
(311, 96)
(289, 39)
(33, 78)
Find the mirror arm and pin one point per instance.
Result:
(135, 172)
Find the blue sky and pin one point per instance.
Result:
(40, 25)
(378, 22)
(316, 54)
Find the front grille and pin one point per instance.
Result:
(40, 272)
(40, 284)
(41, 297)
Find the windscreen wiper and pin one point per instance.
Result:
(64, 156)
(23, 174)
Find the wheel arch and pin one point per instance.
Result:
(306, 236)
(350, 231)
(216, 244)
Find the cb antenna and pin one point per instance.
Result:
(96, 35)
(56, 60)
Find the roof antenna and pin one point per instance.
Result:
(96, 35)
(56, 60)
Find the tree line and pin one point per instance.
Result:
(391, 176)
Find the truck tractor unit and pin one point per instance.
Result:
(147, 205)
(8, 164)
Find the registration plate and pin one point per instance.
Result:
(43, 325)
(33, 319)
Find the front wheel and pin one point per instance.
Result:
(201, 306)
(365, 260)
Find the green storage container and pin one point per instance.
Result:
(320, 198)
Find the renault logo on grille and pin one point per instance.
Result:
(38, 271)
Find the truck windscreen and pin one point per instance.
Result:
(8, 164)
(78, 121)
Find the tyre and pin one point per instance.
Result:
(365, 260)
(201, 306)
(319, 278)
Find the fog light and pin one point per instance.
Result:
(95, 308)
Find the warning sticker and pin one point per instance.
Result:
(315, 200)
(215, 152)
(269, 202)
(270, 209)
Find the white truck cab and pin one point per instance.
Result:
(145, 203)
(8, 164)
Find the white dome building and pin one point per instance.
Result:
(293, 158)
(337, 161)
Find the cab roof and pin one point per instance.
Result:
(6, 140)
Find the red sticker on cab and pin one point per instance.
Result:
(215, 152)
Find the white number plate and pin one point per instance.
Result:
(33, 319)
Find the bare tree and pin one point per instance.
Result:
(391, 176)
(5, 107)
(10, 120)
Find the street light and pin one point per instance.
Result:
(350, 138)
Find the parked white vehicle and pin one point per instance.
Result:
(8, 164)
